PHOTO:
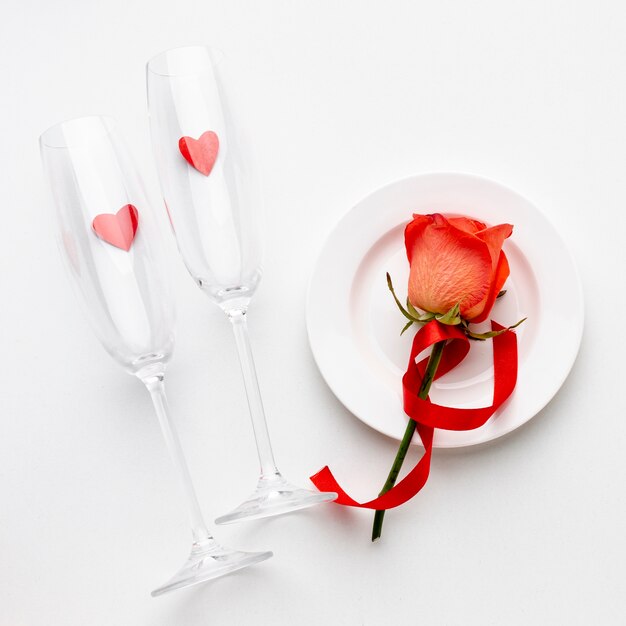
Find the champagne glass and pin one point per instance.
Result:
(111, 247)
(213, 202)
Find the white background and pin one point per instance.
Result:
(347, 97)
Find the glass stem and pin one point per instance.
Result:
(255, 403)
(156, 387)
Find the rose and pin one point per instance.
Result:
(455, 260)
(457, 270)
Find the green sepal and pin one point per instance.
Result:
(406, 327)
(419, 317)
(452, 317)
(492, 333)
(413, 315)
(426, 317)
(411, 309)
(393, 293)
(517, 323)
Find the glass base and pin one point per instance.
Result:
(209, 560)
(274, 496)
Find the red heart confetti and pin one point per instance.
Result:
(118, 229)
(200, 153)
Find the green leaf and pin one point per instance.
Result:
(452, 317)
(406, 327)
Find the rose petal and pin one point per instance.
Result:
(501, 274)
(448, 265)
(494, 238)
(467, 224)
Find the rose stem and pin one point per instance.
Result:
(429, 375)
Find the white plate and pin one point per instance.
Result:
(354, 325)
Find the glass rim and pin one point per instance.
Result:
(150, 65)
(109, 123)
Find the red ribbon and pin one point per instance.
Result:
(428, 415)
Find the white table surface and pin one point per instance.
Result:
(347, 97)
